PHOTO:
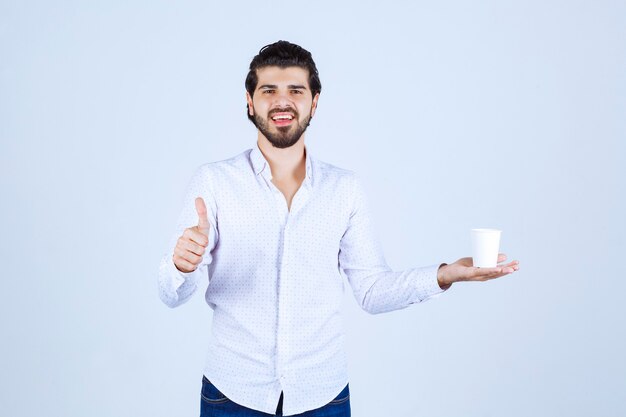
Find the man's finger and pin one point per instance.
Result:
(512, 264)
(203, 220)
(195, 248)
(198, 236)
(485, 272)
(495, 272)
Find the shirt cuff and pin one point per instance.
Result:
(429, 286)
(178, 277)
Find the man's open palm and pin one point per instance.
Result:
(464, 270)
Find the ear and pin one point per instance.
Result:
(314, 104)
(250, 104)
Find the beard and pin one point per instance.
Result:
(282, 136)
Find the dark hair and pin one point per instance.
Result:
(282, 54)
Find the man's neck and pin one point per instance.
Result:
(285, 163)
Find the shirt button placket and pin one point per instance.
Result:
(283, 316)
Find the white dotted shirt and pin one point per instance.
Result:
(275, 279)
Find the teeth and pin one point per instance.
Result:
(282, 117)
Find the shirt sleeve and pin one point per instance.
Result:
(376, 287)
(177, 287)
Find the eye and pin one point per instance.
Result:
(297, 91)
(267, 91)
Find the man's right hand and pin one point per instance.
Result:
(193, 242)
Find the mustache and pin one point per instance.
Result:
(285, 110)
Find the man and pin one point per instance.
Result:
(272, 230)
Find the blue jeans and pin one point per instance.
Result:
(215, 404)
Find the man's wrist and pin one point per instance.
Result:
(440, 277)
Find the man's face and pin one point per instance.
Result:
(282, 104)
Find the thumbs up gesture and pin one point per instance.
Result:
(191, 245)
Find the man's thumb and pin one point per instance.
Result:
(203, 220)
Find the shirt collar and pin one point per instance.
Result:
(260, 164)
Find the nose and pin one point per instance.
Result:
(282, 100)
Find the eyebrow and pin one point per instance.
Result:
(290, 86)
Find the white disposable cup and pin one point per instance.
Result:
(485, 247)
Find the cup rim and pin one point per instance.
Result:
(486, 230)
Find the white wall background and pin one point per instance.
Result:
(106, 109)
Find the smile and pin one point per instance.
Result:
(282, 119)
